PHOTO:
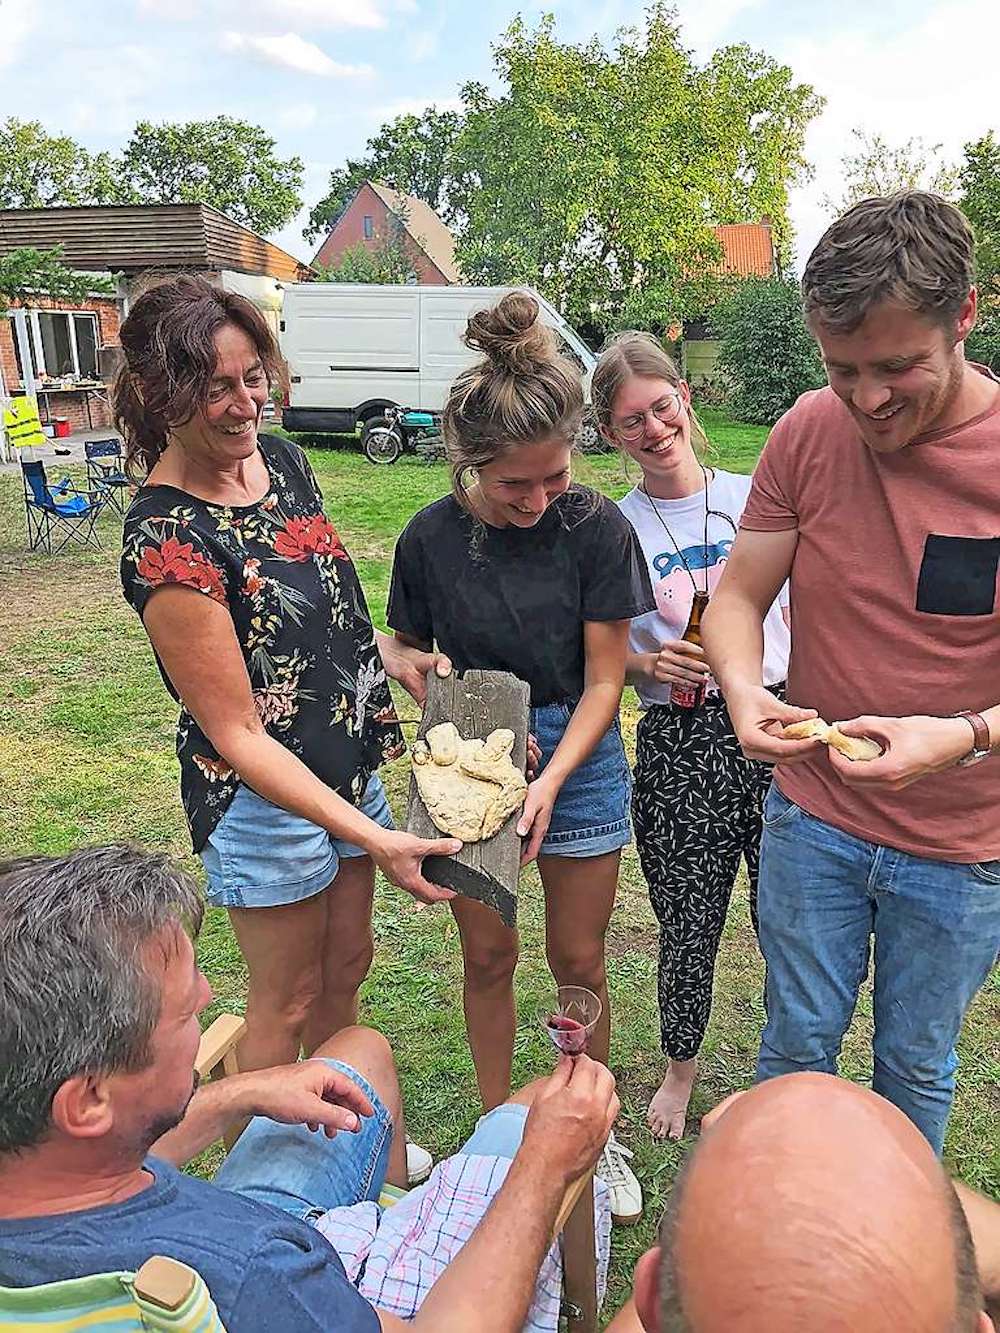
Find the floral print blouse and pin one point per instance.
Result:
(300, 617)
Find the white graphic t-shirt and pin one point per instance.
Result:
(727, 494)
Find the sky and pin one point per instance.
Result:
(321, 76)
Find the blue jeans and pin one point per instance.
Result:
(823, 895)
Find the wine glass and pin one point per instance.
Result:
(569, 1016)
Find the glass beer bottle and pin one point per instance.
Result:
(691, 695)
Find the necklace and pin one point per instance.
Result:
(673, 539)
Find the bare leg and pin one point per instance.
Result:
(579, 895)
(490, 953)
(346, 951)
(668, 1110)
(370, 1054)
(283, 951)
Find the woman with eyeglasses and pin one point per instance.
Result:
(696, 801)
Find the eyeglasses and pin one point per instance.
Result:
(667, 410)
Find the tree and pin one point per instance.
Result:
(411, 153)
(766, 352)
(597, 175)
(41, 170)
(388, 262)
(980, 201)
(26, 272)
(229, 164)
(878, 168)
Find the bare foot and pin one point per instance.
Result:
(668, 1109)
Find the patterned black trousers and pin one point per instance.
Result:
(696, 808)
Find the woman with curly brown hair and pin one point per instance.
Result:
(262, 634)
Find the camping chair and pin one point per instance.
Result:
(164, 1296)
(574, 1222)
(105, 470)
(58, 512)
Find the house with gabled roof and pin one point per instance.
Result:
(378, 214)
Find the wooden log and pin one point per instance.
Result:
(477, 702)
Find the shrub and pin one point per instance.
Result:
(766, 350)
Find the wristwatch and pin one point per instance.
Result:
(981, 748)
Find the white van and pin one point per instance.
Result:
(354, 349)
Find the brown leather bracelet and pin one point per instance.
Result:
(981, 748)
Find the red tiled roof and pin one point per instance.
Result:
(747, 249)
(424, 226)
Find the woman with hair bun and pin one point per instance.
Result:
(522, 570)
(261, 633)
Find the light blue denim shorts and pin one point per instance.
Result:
(305, 1174)
(591, 813)
(261, 856)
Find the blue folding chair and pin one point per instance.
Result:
(105, 470)
(60, 513)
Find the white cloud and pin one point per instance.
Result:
(900, 88)
(705, 25)
(301, 13)
(18, 18)
(291, 51)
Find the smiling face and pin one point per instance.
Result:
(223, 430)
(898, 373)
(519, 484)
(650, 422)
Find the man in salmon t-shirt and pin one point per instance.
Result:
(879, 499)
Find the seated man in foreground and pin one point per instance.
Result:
(813, 1204)
(99, 1001)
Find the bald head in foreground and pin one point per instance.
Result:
(813, 1204)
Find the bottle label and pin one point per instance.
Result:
(687, 696)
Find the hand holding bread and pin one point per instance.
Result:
(858, 748)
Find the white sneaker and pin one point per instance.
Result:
(419, 1163)
(626, 1192)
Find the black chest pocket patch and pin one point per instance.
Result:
(958, 576)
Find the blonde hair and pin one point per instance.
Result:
(521, 391)
(633, 353)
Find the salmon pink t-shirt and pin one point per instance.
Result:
(894, 608)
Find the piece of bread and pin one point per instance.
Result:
(854, 747)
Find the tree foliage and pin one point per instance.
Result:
(876, 167)
(227, 163)
(41, 169)
(411, 153)
(597, 174)
(386, 262)
(766, 351)
(980, 201)
(27, 272)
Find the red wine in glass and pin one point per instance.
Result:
(569, 1017)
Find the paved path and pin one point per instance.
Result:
(66, 450)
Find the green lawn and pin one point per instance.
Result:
(86, 754)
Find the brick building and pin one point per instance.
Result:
(129, 242)
(377, 214)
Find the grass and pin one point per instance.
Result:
(86, 755)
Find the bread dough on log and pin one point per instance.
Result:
(854, 747)
(470, 788)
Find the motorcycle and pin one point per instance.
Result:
(401, 429)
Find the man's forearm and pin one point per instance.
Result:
(732, 634)
(213, 1109)
(497, 1269)
(626, 1320)
(983, 1217)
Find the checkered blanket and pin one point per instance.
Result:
(395, 1255)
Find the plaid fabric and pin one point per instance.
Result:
(395, 1255)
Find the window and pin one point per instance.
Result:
(369, 227)
(63, 342)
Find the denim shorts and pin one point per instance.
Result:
(305, 1174)
(591, 813)
(261, 856)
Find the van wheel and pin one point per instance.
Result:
(379, 442)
